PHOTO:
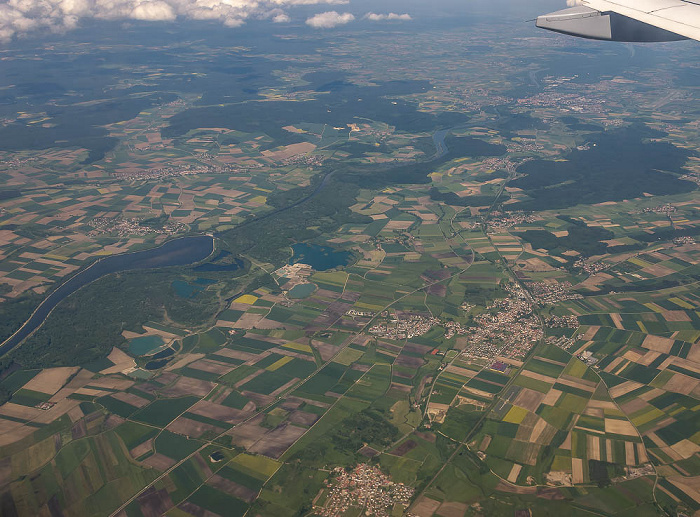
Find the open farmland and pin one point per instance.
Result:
(494, 311)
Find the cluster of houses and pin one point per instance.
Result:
(503, 220)
(570, 322)
(404, 328)
(131, 227)
(553, 292)
(364, 487)
(508, 327)
(591, 267)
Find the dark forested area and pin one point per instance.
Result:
(582, 238)
(85, 326)
(617, 165)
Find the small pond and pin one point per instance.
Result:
(216, 456)
(160, 359)
(185, 290)
(155, 365)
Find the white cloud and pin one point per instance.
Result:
(153, 11)
(329, 20)
(374, 17)
(572, 3)
(19, 17)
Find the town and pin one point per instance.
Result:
(130, 227)
(404, 328)
(553, 292)
(503, 220)
(507, 328)
(365, 487)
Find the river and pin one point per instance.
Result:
(439, 142)
(178, 252)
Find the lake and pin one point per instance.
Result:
(301, 291)
(178, 252)
(160, 359)
(225, 262)
(190, 290)
(321, 258)
(145, 345)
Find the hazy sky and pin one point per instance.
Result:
(20, 18)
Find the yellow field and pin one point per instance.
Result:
(298, 347)
(261, 464)
(680, 303)
(348, 356)
(336, 278)
(246, 298)
(279, 364)
(561, 463)
(647, 417)
(639, 262)
(368, 307)
(576, 369)
(516, 415)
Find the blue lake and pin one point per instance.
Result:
(145, 345)
(160, 359)
(185, 290)
(191, 289)
(321, 258)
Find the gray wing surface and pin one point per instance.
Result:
(628, 20)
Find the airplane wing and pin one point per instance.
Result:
(628, 20)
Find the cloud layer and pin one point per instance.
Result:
(18, 17)
(374, 17)
(329, 20)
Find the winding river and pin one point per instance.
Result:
(439, 142)
(178, 252)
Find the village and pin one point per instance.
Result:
(507, 328)
(185, 170)
(571, 101)
(553, 292)
(563, 342)
(569, 321)
(503, 220)
(667, 209)
(130, 227)
(364, 487)
(591, 267)
(404, 328)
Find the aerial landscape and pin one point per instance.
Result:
(342, 259)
